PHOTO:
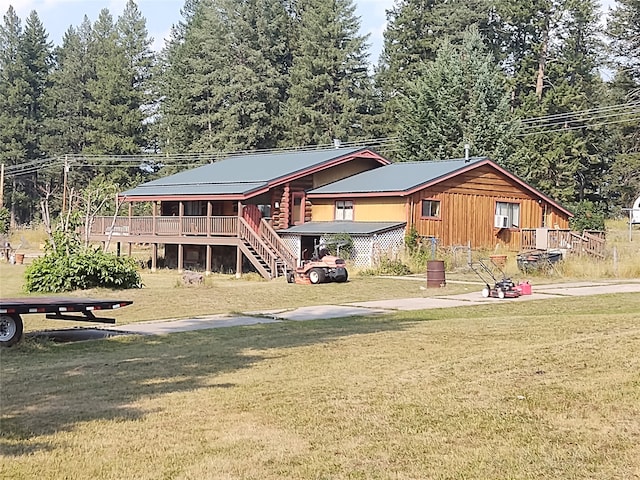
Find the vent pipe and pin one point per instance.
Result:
(337, 143)
(466, 152)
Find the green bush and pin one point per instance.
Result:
(68, 266)
(587, 216)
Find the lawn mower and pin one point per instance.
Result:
(503, 287)
(321, 268)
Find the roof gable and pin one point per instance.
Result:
(405, 178)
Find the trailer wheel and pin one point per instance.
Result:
(485, 292)
(10, 330)
(316, 275)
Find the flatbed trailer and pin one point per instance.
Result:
(57, 308)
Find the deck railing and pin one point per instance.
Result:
(165, 226)
(589, 241)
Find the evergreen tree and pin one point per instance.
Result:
(23, 71)
(68, 98)
(565, 158)
(225, 75)
(623, 30)
(416, 30)
(460, 98)
(331, 95)
(37, 52)
(110, 91)
(134, 40)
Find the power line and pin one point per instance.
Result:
(628, 110)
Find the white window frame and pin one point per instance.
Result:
(511, 210)
(344, 210)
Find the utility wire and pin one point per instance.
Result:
(630, 111)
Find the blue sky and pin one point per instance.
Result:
(58, 15)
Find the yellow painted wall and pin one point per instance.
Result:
(343, 170)
(364, 210)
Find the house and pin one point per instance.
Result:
(471, 202)
(224, 216)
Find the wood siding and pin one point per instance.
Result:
(467, 210)
(468, 206)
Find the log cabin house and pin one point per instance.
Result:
(267, 211)
(224, 216)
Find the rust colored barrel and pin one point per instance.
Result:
(435, 274)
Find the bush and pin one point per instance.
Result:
(68, 266)
(587, 216)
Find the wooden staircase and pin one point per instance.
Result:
(265, 249)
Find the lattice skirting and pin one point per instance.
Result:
(367, 249)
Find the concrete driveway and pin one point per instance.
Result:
(375, 307)
(319, 312)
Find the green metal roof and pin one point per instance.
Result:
(239, 175)
(397, 177)
(352, 228)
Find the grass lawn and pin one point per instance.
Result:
(540, 389)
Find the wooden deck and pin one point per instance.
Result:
(259, 242)
(588, 242)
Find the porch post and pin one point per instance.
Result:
(207, 270)
(180, 258)
(209, 214)
(154, 219)
(180, 215)
(129, 249)
(238, 262)
(154, 257)
(238, 251)
(130, 217)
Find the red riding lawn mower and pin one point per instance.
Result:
(322, 268)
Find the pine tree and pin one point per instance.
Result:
(623, 31)
(17, 105)
(68, 98)
(134, 40)
(416, 30)
(460, 98)
(558, 74)
(331, 95)
(225, 75)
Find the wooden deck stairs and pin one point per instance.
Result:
(265, 250)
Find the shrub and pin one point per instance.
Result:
(587, 216)
(68, 266)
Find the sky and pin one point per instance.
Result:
(58, 15)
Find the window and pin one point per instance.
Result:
(431, 208)
(344, 210)
(508, 214)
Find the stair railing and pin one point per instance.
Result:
(271, 238)
(262, 250)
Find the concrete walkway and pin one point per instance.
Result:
(376, 307)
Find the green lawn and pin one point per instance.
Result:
(527, 390)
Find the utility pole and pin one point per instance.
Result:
(1, 185)
(64, 184)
